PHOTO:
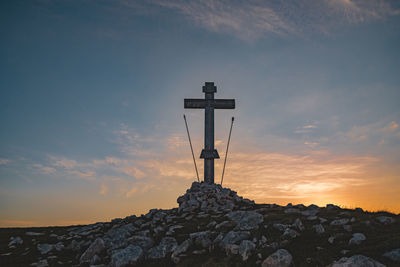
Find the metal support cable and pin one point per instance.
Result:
(227, 148)
(191, 148)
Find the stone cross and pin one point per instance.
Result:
(209, 104)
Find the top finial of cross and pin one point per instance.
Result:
(209, 87)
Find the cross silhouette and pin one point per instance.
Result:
(209, 153)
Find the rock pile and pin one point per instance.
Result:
(213, 225)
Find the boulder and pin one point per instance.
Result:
(96, 248)
(357, 261)
(117, 237)
(182, 248)
(142, 241)
(233, 237)
(281, 258)
(127, 256)
(245, 220)
(167, 245)
(203, 239)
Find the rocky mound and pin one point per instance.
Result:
(213, 226)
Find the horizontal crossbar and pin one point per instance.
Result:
(215, 103)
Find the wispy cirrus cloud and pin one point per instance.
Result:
(250, 20)
(4, 161)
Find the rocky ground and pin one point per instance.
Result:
(213, 226)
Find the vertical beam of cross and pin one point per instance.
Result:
(209, 153)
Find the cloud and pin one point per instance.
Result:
(103, 189)
(263, 176)
(4, 161)
(391, 127)
(250, 20)
(45, 169)
(305, 129)
(89, 175)
(63, 162)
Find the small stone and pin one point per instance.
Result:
(310, 212)
(281, 227)
(245, 249)
(15, 241)
(212, 224)
(393, 255)
(332, 207)
(95, 260)
(291, 211)
(357, 260)
(199, 252)
(357, 239)
(45, 248)
(319, 229)
(344, 251)
(225, 224)
(322, 220)
(331, 239)
(339, 221)
(291, 233)
(347, 228)
(312, 218)
(299, 225)
(385, 220)
(281, 258)
(33, 234)
(41, 263)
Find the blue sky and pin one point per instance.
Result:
(92, 103)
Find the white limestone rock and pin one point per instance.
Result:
(127, 256)
(45, 248)
(299, 225)
(357, 261)
(281, 258)
(393, 255)
(142, 241)
(182, 248)
(15, 241)
(357, 239)
(385, 220)
(233, 237)
(95, 248)
(167, 245)
(319, 229)
(245, 249)
(245, 220)
(339, 222)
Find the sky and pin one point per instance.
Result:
(91, 106)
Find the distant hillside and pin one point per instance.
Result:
(213, 226)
